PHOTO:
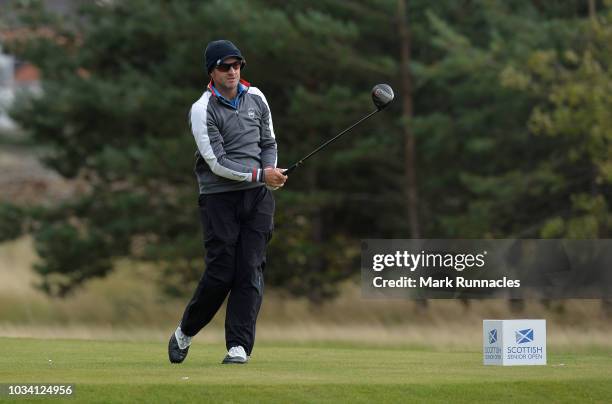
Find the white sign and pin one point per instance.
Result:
(514, 342)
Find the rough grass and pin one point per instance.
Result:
(127, 306)
(119, 371)
(129, 296)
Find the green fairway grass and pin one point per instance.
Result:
(111, 371)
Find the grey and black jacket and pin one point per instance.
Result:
(235, 142)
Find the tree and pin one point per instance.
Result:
(496, 158)
(407, 109)
(118, 82)
(571, 86)
(498, 178)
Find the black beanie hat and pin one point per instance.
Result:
(217, 51)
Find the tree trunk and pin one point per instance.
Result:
(407, 111)
(412, 202)
(592, 11)
(317, 263)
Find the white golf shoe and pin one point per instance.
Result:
(236, 355)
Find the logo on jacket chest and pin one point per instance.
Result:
(251, 113)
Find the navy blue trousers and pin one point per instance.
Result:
(237, 227)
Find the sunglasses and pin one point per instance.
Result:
(224, 67)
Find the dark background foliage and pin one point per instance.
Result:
(511, 123)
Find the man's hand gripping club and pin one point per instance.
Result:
(274, 178)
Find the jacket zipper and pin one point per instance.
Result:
(240, 124)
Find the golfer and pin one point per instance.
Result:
(236, 172)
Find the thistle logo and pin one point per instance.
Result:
(524, 336)
(493, 336)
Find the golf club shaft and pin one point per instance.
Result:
(297, 164)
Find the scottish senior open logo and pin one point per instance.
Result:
(524, 336)
(493, 336)
(514, 342)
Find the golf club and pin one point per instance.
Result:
(382, 95)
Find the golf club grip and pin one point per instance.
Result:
(290, 169)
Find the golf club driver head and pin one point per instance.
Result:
(382, 95)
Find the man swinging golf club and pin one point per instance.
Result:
(236, 171)
(232, 126)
